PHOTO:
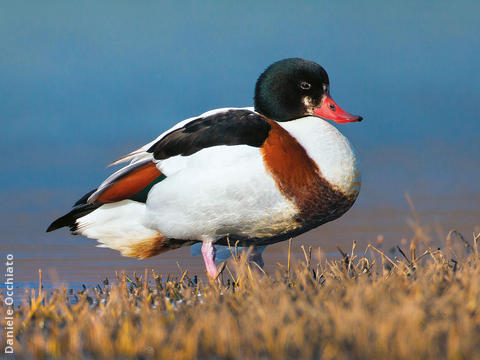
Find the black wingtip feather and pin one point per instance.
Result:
(84, 198)
(70, 218)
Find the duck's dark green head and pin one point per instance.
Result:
(293, 88)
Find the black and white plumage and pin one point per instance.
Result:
(256, 175)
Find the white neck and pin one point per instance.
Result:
(332, 151)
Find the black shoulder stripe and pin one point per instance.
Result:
(231, 127)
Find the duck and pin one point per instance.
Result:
(251, 176)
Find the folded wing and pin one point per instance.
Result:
(229, 126)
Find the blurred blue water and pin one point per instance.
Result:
(82, 83)
(85, 82)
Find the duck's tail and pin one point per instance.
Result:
(117, 226)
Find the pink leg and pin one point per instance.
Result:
(208, 252)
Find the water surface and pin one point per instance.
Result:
(84, 83)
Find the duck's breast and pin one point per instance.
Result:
(314, 166)
(330, 150)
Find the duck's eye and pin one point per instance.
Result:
(305, 85)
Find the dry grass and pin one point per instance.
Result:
(366, 305)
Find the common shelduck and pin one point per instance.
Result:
(255, 176)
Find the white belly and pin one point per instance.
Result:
(216, 192)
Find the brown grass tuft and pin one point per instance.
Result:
(369, 305)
